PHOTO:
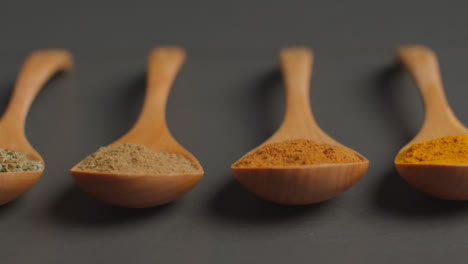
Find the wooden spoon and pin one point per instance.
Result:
(447, 181)
(299, 184)
(39, 67)
(147, 190)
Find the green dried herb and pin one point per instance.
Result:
(12, 161)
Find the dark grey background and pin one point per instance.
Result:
(227, 99)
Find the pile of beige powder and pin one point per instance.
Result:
(139, 159)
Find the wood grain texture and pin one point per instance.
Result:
(300, 184)
(139, 191)
(39, 67)
(447, 181)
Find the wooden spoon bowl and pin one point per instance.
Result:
(299, 185)
(147, 190)
(446, 181)
(37, 69)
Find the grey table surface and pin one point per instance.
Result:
(227, 99)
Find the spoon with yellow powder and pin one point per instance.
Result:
(436, 160)
(299, 164)
(21, 165)
(147, 166)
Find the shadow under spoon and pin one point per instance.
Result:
(447, 181)
(147, 190)
(297, 185)
(39, 67)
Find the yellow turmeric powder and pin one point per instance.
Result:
(449, 149)
(297, 152)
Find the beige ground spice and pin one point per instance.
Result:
(135, 158)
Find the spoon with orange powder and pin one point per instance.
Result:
(436, 160)
(299, 164)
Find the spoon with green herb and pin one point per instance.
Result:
(20, 165)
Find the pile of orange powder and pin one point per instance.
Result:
(297, 152)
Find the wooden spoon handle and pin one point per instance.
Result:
(38, 67)
(163, 65)
(422, 63)
(296, 64)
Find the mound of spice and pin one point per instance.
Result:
(449, 149)
(297, 152)
(13, 161)
(138, 159)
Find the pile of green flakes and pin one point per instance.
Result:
(13, 161)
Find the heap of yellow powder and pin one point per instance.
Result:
(297, 152)
(449, 149)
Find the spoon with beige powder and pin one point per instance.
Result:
(147, 166)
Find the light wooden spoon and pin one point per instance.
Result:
(40, 66)
(447, 181)
(299, 184)
(146, 190)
